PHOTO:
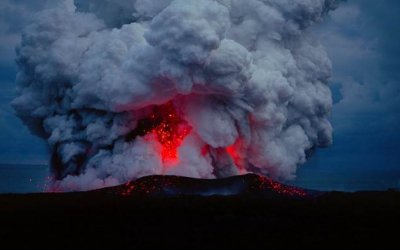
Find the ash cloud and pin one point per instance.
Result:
(246, 76)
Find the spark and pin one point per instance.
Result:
(170, 130)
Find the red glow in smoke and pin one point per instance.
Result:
(170, 130)
(234, 152)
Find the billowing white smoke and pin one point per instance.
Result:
(244, 75)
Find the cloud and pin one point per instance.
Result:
(246, 82)
(358, 47)
(15, 15)
(362, 43)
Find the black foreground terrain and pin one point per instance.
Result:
(182, 213)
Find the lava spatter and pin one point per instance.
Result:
(168, 127)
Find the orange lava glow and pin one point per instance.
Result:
(268, 183)
(170, 130)
(234, 152)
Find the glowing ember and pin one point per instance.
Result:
(170, 131)
(168, 127)
(267, 183)
(234, 152)
(237, 185)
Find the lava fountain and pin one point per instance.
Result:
(166, 125)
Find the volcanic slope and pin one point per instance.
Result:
(252, 215)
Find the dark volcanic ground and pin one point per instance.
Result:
(108, 219)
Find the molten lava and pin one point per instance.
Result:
(165, 124)
(168, 127)
(171, 131)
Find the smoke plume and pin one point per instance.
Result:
(198, 88)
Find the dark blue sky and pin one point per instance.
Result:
(362, 39)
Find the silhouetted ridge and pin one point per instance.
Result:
(236, 185)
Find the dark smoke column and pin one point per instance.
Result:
(199, 88)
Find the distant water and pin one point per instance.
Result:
(23, 178)
(33, 178)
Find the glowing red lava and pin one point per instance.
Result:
(170, 130)
(234, 152)
(279, 188)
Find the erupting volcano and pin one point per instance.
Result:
(166, 125)
(198, 88)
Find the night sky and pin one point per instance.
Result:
(361, 38)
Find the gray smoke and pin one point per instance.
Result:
(245, 75)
